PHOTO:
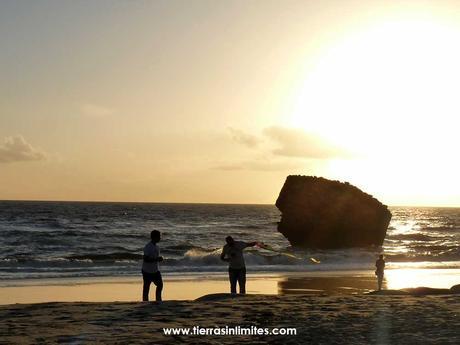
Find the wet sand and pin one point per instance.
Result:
(190, 287)
(126, 289)
(193, 286)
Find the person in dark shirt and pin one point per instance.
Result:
(150, 270)
(380, 268)
(233, 254)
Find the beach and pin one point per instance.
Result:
(78, 280)
(339, 319)
(324, 308)
(229, 172)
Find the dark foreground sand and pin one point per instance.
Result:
(336, 319)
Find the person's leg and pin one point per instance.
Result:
(158, 281)
(146, 287)
(242, 280)
(380, 281)
(232, 276)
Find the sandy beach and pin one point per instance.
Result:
(339, 319)
(159, 156)
(324, 308)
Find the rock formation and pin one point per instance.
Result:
(325, 214)
(455, 288)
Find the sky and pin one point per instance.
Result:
(219, 101)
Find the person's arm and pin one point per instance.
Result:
(148, 258)
(223, 254)
(251, 244)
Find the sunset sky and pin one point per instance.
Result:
(218, 101)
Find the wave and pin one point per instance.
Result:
(432, 248)
(106, 257)
(192, 257)
(213, 262)
(195, 260)
(52, 223)
(186, 254)
(198, 257)
(448, 228)
(251, 226)
(181, 247)
(452, 254)
(412, 237)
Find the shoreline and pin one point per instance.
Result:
(217, 275)
(195, 285)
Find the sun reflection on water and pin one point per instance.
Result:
(414, 277)
(404, 227)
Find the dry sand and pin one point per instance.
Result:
(339, 319)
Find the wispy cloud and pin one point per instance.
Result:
(260, 165)
(17, 149)
(279, 149)
(95, 110)
(298, 143)
(244, 138)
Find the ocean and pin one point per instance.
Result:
(80, 239)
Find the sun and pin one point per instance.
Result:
(396, 78)
(389, 92)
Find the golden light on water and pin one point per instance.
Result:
(405, 227)
(412, 277)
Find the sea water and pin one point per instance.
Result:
(78, 239)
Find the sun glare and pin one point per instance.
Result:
(413, 277)
(397, 79)
(388, 92)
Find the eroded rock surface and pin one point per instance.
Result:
(320, 213)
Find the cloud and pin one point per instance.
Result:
(243, 138)
(298, 143)
(259, 165)
(94, 110)
(16, 149)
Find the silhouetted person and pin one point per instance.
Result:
(150, 270)
(233, 254)
(380, 268)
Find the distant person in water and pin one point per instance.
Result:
(380, 268)
(150, 270)
(233, 254)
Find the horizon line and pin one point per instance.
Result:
(183, 203)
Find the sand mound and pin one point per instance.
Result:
(418, 291)
(388, 292)
(218, 297)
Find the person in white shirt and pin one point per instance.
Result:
(150, 269)
(233, 254)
